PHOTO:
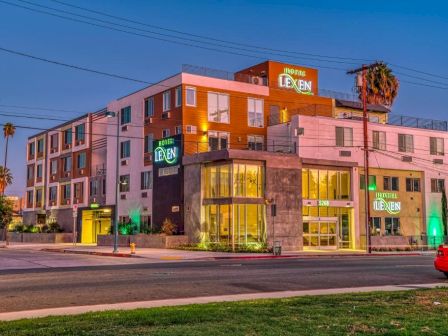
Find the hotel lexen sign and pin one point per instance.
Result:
(382, 202)
(288, 80)
(166, 151)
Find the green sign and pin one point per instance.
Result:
(323, 203)
(382, 202)
(166, 151)
(94, 205)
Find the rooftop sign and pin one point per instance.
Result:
(294, 79)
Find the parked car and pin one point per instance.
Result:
(441, 261)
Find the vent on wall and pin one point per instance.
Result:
(438, 161)
(123, 196)
(124, 128)
(166, 115)
(406, 158)
(124, 162)
(345, 153)
(148, 121)
(144, 195)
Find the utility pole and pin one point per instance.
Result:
(361, 77)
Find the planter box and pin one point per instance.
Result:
(144, 240)
(40, 238)
(396, 242)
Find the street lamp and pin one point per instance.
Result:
(110, 114)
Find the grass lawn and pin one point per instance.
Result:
(420, 312)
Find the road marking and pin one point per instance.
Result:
(231, 265)
(75, 310)
(424, 265)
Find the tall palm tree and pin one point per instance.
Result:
(5, 179)
(8, 131)
(382, 85)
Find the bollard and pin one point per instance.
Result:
(132, 245)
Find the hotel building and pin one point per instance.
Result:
(253, 157)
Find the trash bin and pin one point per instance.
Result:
(277, 248)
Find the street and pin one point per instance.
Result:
(105, 282)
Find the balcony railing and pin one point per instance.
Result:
(407, 121)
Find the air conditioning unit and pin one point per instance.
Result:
(67, 146)
(81, 171)
(438, 161)
(190, 129)
(343, 153)
(53, 150)
(149, 121)
(144, 195)
(124, 162)
(406, 158)
(256, 80)
(67, 174)
(166, 115)
(67, 202)
(123, 196)
(124, 128)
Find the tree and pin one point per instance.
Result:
(8, 131)
(6, 211)
(5, 179)
(444, 212)
(382, 85)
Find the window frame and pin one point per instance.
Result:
(434, 143)
(166, 101)
(146, 180)
(126, 115)
(405, 143)
(342, 139)
(178, 96)
(125, 149)
(149, 107)
(260, 114)
(219, 119)
(377, 141)
(255, 143)
(193, 90)
(220, 138)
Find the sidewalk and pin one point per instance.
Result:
(184, 255)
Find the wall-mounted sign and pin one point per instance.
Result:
(387, 201)
(323, 203)
(294, 79)
(166, 151)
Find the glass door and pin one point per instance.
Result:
(320, 234)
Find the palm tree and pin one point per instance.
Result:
(382, 85)
(5, 179)
(8, 131)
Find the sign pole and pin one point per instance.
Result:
(75, 217)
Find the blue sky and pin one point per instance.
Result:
(405, 33)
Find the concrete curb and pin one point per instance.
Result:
(102, 254)
(76, 310)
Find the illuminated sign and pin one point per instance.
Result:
(166, 151)
(382, 202)
(288, 80)
(323, 203)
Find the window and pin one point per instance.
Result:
(392, 226)
(149, 107)
(178, 96)
(40, 145)
(103, 182)
(68, 136)
(125, 115)
(406, 143)
(218, 107)
(325, 184)
(390, 183)
(247, 180)
(437, 185)
(379, 140)
(165, 133)
(38, 198)
(53, 167)
(413, 184)
(78, 191)
(436, 146)
(31, 149)
(81, 160)
(30, 172)
(93, 190)
(125, 149)
(372, 182)
(255, 112)
(376, 226)
(344, 136)
(67, 163)
(66, 191)
(146, 180)
(255, 142)
(190, 96)
(80, 132)
(124, 183)
(29, 198)
(53, 194)
(217, 140)
(54, 141)
(148, 143)
(39, 171)
(166, 101)
(178, 130)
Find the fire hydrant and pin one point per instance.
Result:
(132, 245)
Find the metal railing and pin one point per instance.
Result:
(274, 146)
(407, 121)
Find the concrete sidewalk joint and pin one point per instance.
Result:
(75, 310)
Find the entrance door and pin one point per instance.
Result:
(320, 234)
(94, 222)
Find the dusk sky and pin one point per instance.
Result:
(411, 34)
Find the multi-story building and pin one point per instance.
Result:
(247, 158)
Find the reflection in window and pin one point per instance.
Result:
(325, 184)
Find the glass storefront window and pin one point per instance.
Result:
(314, 177)
(305, 184)
(332, 185)
(344, 191)
(326, 184)
(323, 184)
(224, 181)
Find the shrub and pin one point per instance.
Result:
(168, 227)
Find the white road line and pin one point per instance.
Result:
(75, 310)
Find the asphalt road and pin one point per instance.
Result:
(59, 287)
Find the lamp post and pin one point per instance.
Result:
(110, 114)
